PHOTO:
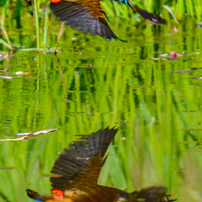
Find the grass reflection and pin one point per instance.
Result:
(106, 84)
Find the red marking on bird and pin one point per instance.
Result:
(58, 194)
(55, 1)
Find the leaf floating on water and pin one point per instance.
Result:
(18, 139)
(5, 56)
(199, 24)
(6, 77)
(173, 55)
(175, 30)
(184, 71)
(5, 70)
(37, 133)
(190, 111)
(45, 131)
(23, 134)
(196, 53)
(160, 58)
(22, 73)
(30, 134)
(7, 168)
(192, 129)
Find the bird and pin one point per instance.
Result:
(87, 16)
(75, 175)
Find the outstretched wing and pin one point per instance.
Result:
(82, 161)
(85, 16)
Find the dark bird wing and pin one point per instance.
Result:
(82, 161)
(83, 15)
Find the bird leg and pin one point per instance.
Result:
(59, 37)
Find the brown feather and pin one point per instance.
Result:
(85, 16)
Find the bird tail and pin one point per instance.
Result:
(154, 19)
(150, 194)
(36, 197)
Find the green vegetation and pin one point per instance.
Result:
(95, 83)
(171, 10)
(188, 8)
(106, 84)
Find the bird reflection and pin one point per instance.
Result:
(76, 173)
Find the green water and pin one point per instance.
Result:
(94, 83)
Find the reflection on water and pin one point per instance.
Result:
(78, 168)
(94, 84)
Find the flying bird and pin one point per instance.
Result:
(87, 16)
(76, 172)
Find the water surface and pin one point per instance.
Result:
(94, 83)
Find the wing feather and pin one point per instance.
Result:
(83, 16)
(82, 161)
